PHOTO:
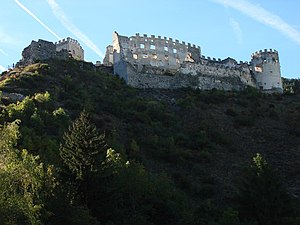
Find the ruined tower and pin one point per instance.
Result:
(72, 46)
(266, 70)
(37, 50)
(41, 50)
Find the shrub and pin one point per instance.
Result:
(245, 120)
(231, 112)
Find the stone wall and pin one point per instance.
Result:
(155, 51)
(220, 69)
(72, 46)
(108, 59)
(155, 62)
(180, 79)
(39, 50)
(266, 69)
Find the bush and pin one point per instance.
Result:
(231, 112)
(245, 120)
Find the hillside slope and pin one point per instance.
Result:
(201, 140)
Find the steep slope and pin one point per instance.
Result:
(202, 140)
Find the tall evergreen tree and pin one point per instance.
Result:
(83, 147)
(262, 195)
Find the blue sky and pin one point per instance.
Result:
(222, 28)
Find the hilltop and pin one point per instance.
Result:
(201, 140)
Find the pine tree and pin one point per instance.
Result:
(83, 147)
(262, 195)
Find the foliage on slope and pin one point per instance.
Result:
(173, 157)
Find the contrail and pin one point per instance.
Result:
(37, 19)
(261, 15)
(3, 52)
(61, 16)
(237, 30)
(2, 68)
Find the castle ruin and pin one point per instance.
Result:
(72, 46)
(156, 62)
(41, 50)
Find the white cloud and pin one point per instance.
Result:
(37, 19)
(61, 16)
(2, 68)
(263, 16)
(237, 30)
(3, 52)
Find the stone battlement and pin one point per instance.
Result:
(72, 46)
(68, 41)
(260, 53)
(160, 62)
(165, 40)
(42, 50)
(221, 62)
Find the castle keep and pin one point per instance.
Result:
(72, 46)
(156, 62)
(41, 50)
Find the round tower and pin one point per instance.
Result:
(266, 70)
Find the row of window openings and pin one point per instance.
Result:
(154, 56)
(146, 40)
(273, 60)
(152, 47)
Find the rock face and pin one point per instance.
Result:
(14, 97)
(156, 62)
(41, 50)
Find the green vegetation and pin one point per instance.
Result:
(262, 196)
(100, 152)
(291, 86)
(82, 146)
(25, 182)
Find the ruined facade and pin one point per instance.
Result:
(41, 50)
(72, 46)
(156, 62)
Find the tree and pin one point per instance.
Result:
(25, 183)
(128, 194)
(262, 196)
(82, 147)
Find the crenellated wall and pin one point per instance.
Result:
(266, 69)
(155, 51)
(72, 46)
(156, 62)
(41, 50)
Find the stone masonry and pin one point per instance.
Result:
(156, 62)
(41, 50)
(159, 62)
(72, 46)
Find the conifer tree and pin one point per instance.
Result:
(83, 147)
(262, 195)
